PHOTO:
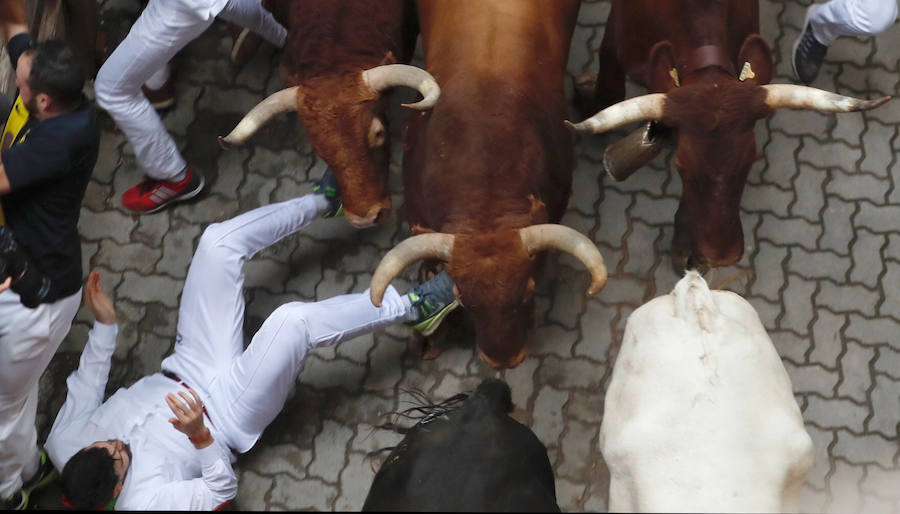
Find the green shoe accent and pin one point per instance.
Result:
(428, 325)
(18, 501)
(44, 476)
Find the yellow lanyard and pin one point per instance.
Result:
(18, 117)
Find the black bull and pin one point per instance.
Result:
(475, 458)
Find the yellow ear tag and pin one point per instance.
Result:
(746, 72)
(674, 74)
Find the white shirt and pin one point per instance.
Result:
(166, 471)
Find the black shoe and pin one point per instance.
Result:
(45, 475)
(329, 187)
(18, 501)
(433, 300)
(808, 53)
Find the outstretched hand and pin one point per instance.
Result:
(5, 284)
(97, 300)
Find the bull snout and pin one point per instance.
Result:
(509, 364)
(376, 215)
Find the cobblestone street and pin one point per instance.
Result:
(821, 217)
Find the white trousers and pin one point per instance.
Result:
(161, 31)
(837, 18)
(246, 389)
(28, 340)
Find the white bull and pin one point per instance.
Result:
(699, 414)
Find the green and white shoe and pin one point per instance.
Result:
(433, 300)
(328, 187)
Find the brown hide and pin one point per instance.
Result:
(329, 44)
(493, 155)
(712, 112)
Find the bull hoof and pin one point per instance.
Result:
(583, 97)
(424, 348)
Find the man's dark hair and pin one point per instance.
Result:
(89, 478)
(56, 71)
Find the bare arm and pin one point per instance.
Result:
(4, 181)
(13, 14)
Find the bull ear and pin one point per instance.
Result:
(758, 53)
(660, 78)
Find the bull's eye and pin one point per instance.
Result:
(376, 133)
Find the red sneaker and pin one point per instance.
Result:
(151, 195)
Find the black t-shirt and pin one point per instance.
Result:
(48, 173)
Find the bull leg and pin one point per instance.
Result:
(610, 86)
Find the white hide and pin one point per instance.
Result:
(700, 415)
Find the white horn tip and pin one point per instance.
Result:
(225, 143)
(571, 126)
(376, 298)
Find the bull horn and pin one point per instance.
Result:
(282, 101)
(387, 76)
(433, 245)
(792, 96)
(639, 108)
(536, 238)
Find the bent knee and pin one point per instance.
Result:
(877, 16)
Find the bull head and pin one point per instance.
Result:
(344, 118)
(713, 116)
(493, 274)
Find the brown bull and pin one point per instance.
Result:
(706, 68)
(339, 57)
(489, 169)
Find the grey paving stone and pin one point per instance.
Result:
(812, 379)
(778, 150)
(835, 413)
(596, 331)
(548, 421)
(144, 289)
(568, 494)
(613, 218)
(872, 331)
(791, 346)
(640, 248)
(838, 231)
(881, 482)
(889, 284)
(150, 230)
(308, 494)
(797, 301)
(844, 486)
(818, 264)
(808, 189)
(849, 128)
(885, 407)
(321, 373)
(105, 225)
(792, 231)
(867, 262)
(878, 218)
(253, 489)
(330, 454)
(554, 340)
(279, 458)
(565, 374)
(888, 362)
(767, 198)
(521, 382)
(356, 478)
(865, 449)
(855, 370)
(878, 149)
(847, 298)
(821, 465)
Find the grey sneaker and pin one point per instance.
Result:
(808, 53)
(433, 300)
(329, 187)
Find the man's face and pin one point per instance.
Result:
(120, 453)
(23, 71)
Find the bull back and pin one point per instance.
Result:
(475, 458)
(700, 414)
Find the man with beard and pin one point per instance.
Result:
(50, 142)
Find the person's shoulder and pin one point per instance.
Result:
(78, 125)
